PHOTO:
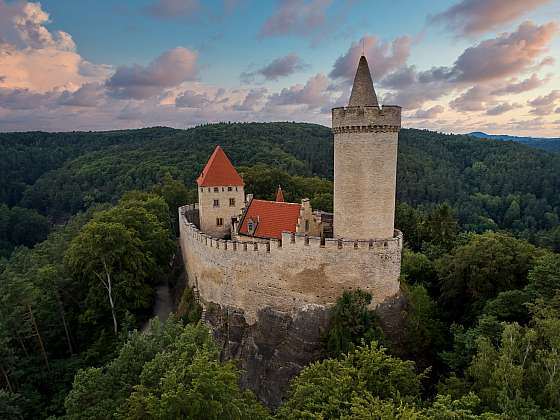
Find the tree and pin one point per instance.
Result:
(170, 371)
(477, 271)
(330, 388)
(351, 323)
(109, 255)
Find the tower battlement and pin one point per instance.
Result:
(366, 118)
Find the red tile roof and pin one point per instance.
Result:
(219, 171)
(272, 218)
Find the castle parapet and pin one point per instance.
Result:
(365, 119)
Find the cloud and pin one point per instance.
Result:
(33, 58)
(544, 105)
(514, 87)
(502, 108)
(383, 57)
(472, 17)
(313, 94)
(478, 67)
(173, 9)
(505, 55)
(474, 99)
(190, 99)
(279, 67)
(252, 100)
(168, 70)
(296, 17)
(20, 99)
(88, 95)
(429, 113)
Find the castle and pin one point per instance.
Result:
(248, 255)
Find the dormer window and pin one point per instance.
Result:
(251, 226)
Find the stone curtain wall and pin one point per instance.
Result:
(289, 274)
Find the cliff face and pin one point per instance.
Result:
(279, 345)
(272, 350)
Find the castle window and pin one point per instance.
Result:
(235, 188)
(208, 189)
(216, 203)
(223, 189)
(216, 189)
(229, 188)
(219, 221)
(307, 225)
(232, 202)
(202, 190)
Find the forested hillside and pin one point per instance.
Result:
(481, 273)
(490, 184)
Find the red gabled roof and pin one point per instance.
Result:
(219, 171)
(272, 218)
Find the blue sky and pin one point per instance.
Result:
(224, 46)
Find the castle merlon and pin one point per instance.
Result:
(363, 93)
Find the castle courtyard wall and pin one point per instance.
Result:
(289, 274)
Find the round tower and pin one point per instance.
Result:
(365, 162)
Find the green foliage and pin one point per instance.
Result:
(189, 309)
(477, 271)
(327, 389)
(20, 227)
(351, 323)
(169, 371)
(425, 333)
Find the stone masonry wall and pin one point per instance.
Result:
(365, 165)
(209, 213)
(288, 274)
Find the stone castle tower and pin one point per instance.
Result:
(365, 162)
(220, 195)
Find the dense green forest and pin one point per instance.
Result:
(87, 227)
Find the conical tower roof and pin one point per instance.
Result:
(363, 93)
(279, 195)
(219, 171)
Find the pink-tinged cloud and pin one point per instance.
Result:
(508, 54)
(252, 101)
(191, 99)
(172, 9)
(514, 87)
(544, 105)
(170, 69)
(33, 58)
(488, 62)
(89, 95)
(383, 57)
(429, 113)
(502, 108)
(470, 17)
(296, 17)
(313, 94)
(474, 99)
(277, 68)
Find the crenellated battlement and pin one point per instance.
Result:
(288, 273)
(289, 239)
(366, 119)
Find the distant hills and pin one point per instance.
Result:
(549, 144)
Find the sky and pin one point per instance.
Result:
(453, 65)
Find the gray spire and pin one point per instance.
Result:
(363, 93)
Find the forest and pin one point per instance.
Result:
(88, 227)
